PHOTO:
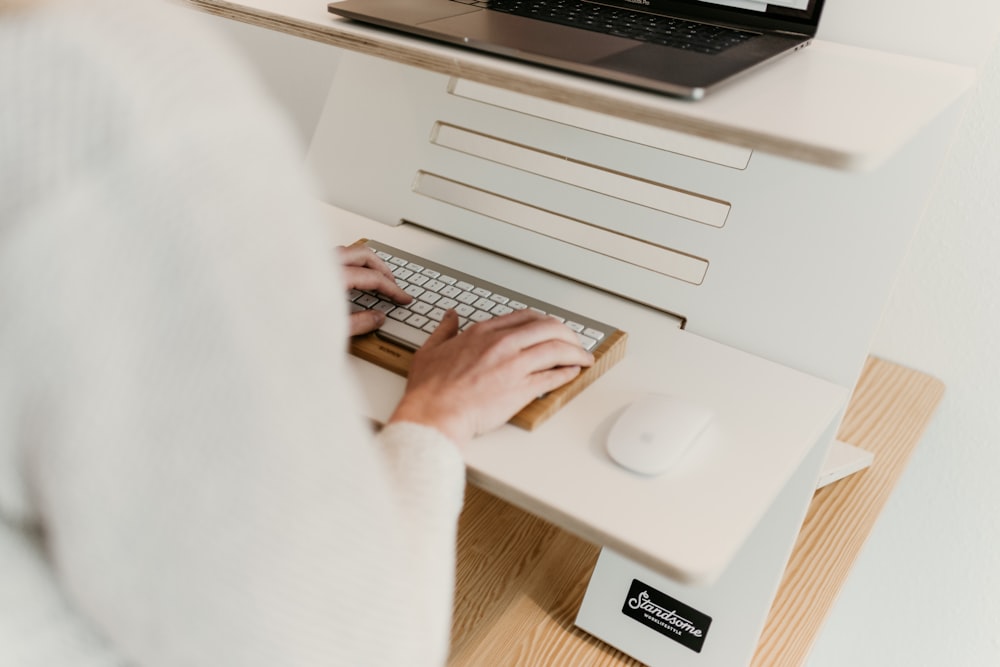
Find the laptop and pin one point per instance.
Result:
(684, 48)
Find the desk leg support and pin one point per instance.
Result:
(721, 621)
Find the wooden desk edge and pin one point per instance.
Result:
(520, 580)
(887, 415)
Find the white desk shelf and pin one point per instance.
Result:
(829, 104)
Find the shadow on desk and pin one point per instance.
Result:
(520, 580)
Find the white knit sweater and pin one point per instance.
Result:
(184, 475)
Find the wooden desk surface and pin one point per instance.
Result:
(520, 580)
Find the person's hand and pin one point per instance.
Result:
(467, 384)
(364, 270)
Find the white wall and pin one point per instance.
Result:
(926, 590)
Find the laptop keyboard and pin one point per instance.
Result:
(642, 26)
(436, 289)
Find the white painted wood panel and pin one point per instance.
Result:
(640, 133)
(584, 175)
(664, 261)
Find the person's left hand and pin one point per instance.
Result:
(364, 270)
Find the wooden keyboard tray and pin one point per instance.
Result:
(397, 359)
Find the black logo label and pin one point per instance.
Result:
(666, 615)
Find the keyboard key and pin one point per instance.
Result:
(480, 316)
(400, 314)
(403, 333)
(417, 321)
(587, 342)
(429, 297)
(641, 26)
(421, 307)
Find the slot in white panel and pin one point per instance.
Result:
(568, 230)
(584, 175)
(717, 152)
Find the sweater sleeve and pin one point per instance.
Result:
(177, 412)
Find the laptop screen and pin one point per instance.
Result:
(798, 15)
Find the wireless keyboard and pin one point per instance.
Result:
(437, 288)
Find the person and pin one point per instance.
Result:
(185, 475)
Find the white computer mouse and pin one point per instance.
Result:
(655, 431)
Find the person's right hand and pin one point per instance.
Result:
(467, 384)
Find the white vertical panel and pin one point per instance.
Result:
(647, 135)
(578, 233)
(581, 174)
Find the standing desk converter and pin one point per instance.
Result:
(747, 244)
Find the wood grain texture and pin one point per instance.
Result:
(888, 413)
(520, 580)
(397, 359)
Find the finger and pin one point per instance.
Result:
(552, 354)
(549, 380)
(366, 321)
(527, 332)
(362, 256)
(447, 329)
(547, 326)
(366, 279)
(511, 320)
(533, 385)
